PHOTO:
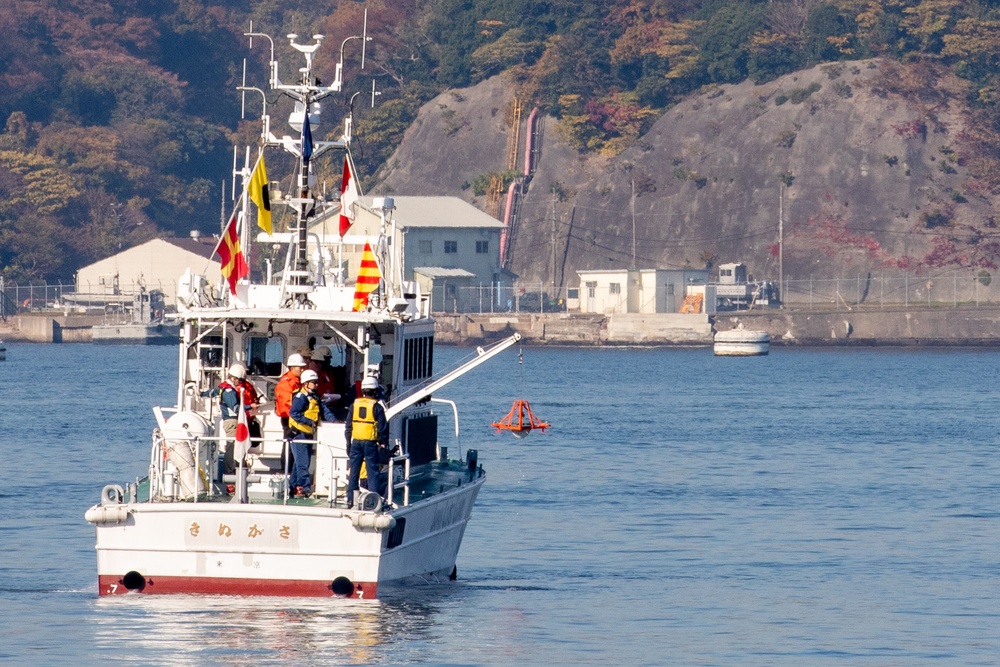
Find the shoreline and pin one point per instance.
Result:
(888, 327)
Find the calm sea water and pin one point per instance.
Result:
(812, 507)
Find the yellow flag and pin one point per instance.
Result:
(260, 196)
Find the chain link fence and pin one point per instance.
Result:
(66, 298)
(898, 289)
(954, 289)
(521, 297)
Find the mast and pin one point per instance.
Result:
(307, 92)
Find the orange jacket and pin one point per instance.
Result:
(286, 387)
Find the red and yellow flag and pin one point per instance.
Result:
(234, 266)
(368, 277)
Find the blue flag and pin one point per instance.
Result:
(307, 138)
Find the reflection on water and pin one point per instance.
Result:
(191, 629)
(405, 625)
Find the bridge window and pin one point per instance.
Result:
(265, 355)
(418, 361)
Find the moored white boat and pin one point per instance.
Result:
(185, 526)
(741, 342)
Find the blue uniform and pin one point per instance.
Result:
(366, 430)
(303, 419)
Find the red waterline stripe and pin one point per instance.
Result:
(114, 585)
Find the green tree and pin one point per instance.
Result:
(927, 23)
(773, 55)
(974, 46)
(724, 40)
(827, 35)
(511, 49)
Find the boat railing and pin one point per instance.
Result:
(399, 462)
(187, 468)
(454, 411)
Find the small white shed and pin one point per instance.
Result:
(642, 291)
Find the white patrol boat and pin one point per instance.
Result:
(185, 526)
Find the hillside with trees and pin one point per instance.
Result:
(118, 118)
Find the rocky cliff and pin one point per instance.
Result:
(868, 163)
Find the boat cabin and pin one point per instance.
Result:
(399, 354)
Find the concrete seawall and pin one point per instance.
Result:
(904, 326)
(50, 328)
(951, 326)
(577, 329)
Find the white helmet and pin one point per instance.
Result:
(369, 383)
(237, 371)
(296, 360)
(309, 376)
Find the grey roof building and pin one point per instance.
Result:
(450, 247)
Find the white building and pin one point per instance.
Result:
(450, 247)
(645, 291)
(155, 264)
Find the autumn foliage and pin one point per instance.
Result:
(117, 118)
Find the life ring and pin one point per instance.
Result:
(158, 438)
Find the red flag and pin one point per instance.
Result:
(348, 196)
(234, 266)
(368, 277)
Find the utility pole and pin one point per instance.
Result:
(781, 244)
(633, 224)
(552, 259)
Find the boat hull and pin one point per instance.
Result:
(135, 334)
(280, 550)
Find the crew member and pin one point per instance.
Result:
(366, 430)
(303, 421)
(287, 385)
(318, 362)
(234, 390)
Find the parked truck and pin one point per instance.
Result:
(736, 290)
